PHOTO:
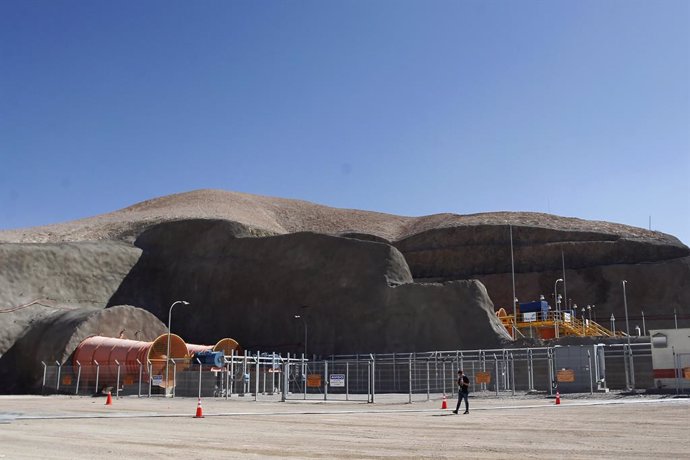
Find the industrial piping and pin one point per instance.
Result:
(225, 345)
(107, 350)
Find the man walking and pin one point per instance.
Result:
(463, 392)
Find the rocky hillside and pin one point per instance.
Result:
(371, 282)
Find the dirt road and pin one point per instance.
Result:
(81, 427)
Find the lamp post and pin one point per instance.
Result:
(167, 353)
(595, 313)
(305, 334)
(625, 306)
(644, 326)
(589, 310)
(555, 293)
(627, 331)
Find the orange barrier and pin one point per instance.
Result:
(107, 350)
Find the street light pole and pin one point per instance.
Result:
(167, 353)
(625, 306)
(644, 327)
(627, 330)
(555, 292)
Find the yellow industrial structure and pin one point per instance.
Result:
(541, 323)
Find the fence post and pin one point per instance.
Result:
(549, 360)
(373, 379)
(117, 383)
(149, 364)
(43, 385)
(57, 389)
(76, 391)
(305, 369)
(496, 367)
(141, 372)
(200, 367)
(369, 382)
(256, 377)
(286, 378)
(325, 380)
(273, 374)
(347, 380)
(174, 377)
(232, 372)
(589, 365)
(512, 371)
(676, 365)
(632, 367)
(443, 378)
(530, 375)
(428, 385)
(409, 399)
(395, 380)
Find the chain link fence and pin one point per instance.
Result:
(401, 377)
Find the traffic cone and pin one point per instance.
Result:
(199, 411)
(558, 397)
(109, 400)
(444, 404)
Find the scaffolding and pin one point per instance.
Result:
(553, 325)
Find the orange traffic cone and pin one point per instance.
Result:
(109, 400)
(199, 411)
(444, 404)
(558, 397)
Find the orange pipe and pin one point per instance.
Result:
(226, 345)
(107, 350)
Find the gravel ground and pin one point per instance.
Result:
(527, 426)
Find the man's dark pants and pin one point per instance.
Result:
(462, 395)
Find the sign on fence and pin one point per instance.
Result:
(314, 380)
(565, 376)
(529, 317)
(482, 377)
(337, 380)
(157, 380)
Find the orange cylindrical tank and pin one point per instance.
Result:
(225, 345)
(108, 351)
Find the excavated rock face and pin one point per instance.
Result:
(372, 282)
(657, 267)
(37, 280)
(54, 337)
(359, 294)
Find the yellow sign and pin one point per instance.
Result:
(314, 380)
(482, 377)
(565, 375)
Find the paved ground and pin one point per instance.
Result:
(613, 426)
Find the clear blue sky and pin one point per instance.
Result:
(579, 108)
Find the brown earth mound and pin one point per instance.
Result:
(373, 282)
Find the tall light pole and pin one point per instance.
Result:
(625, 306)
(555, 292)
(627, 331)
(512, 271)
(644, 327)
(167, 354)
(305, 334)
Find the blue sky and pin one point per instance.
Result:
(578, 108)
